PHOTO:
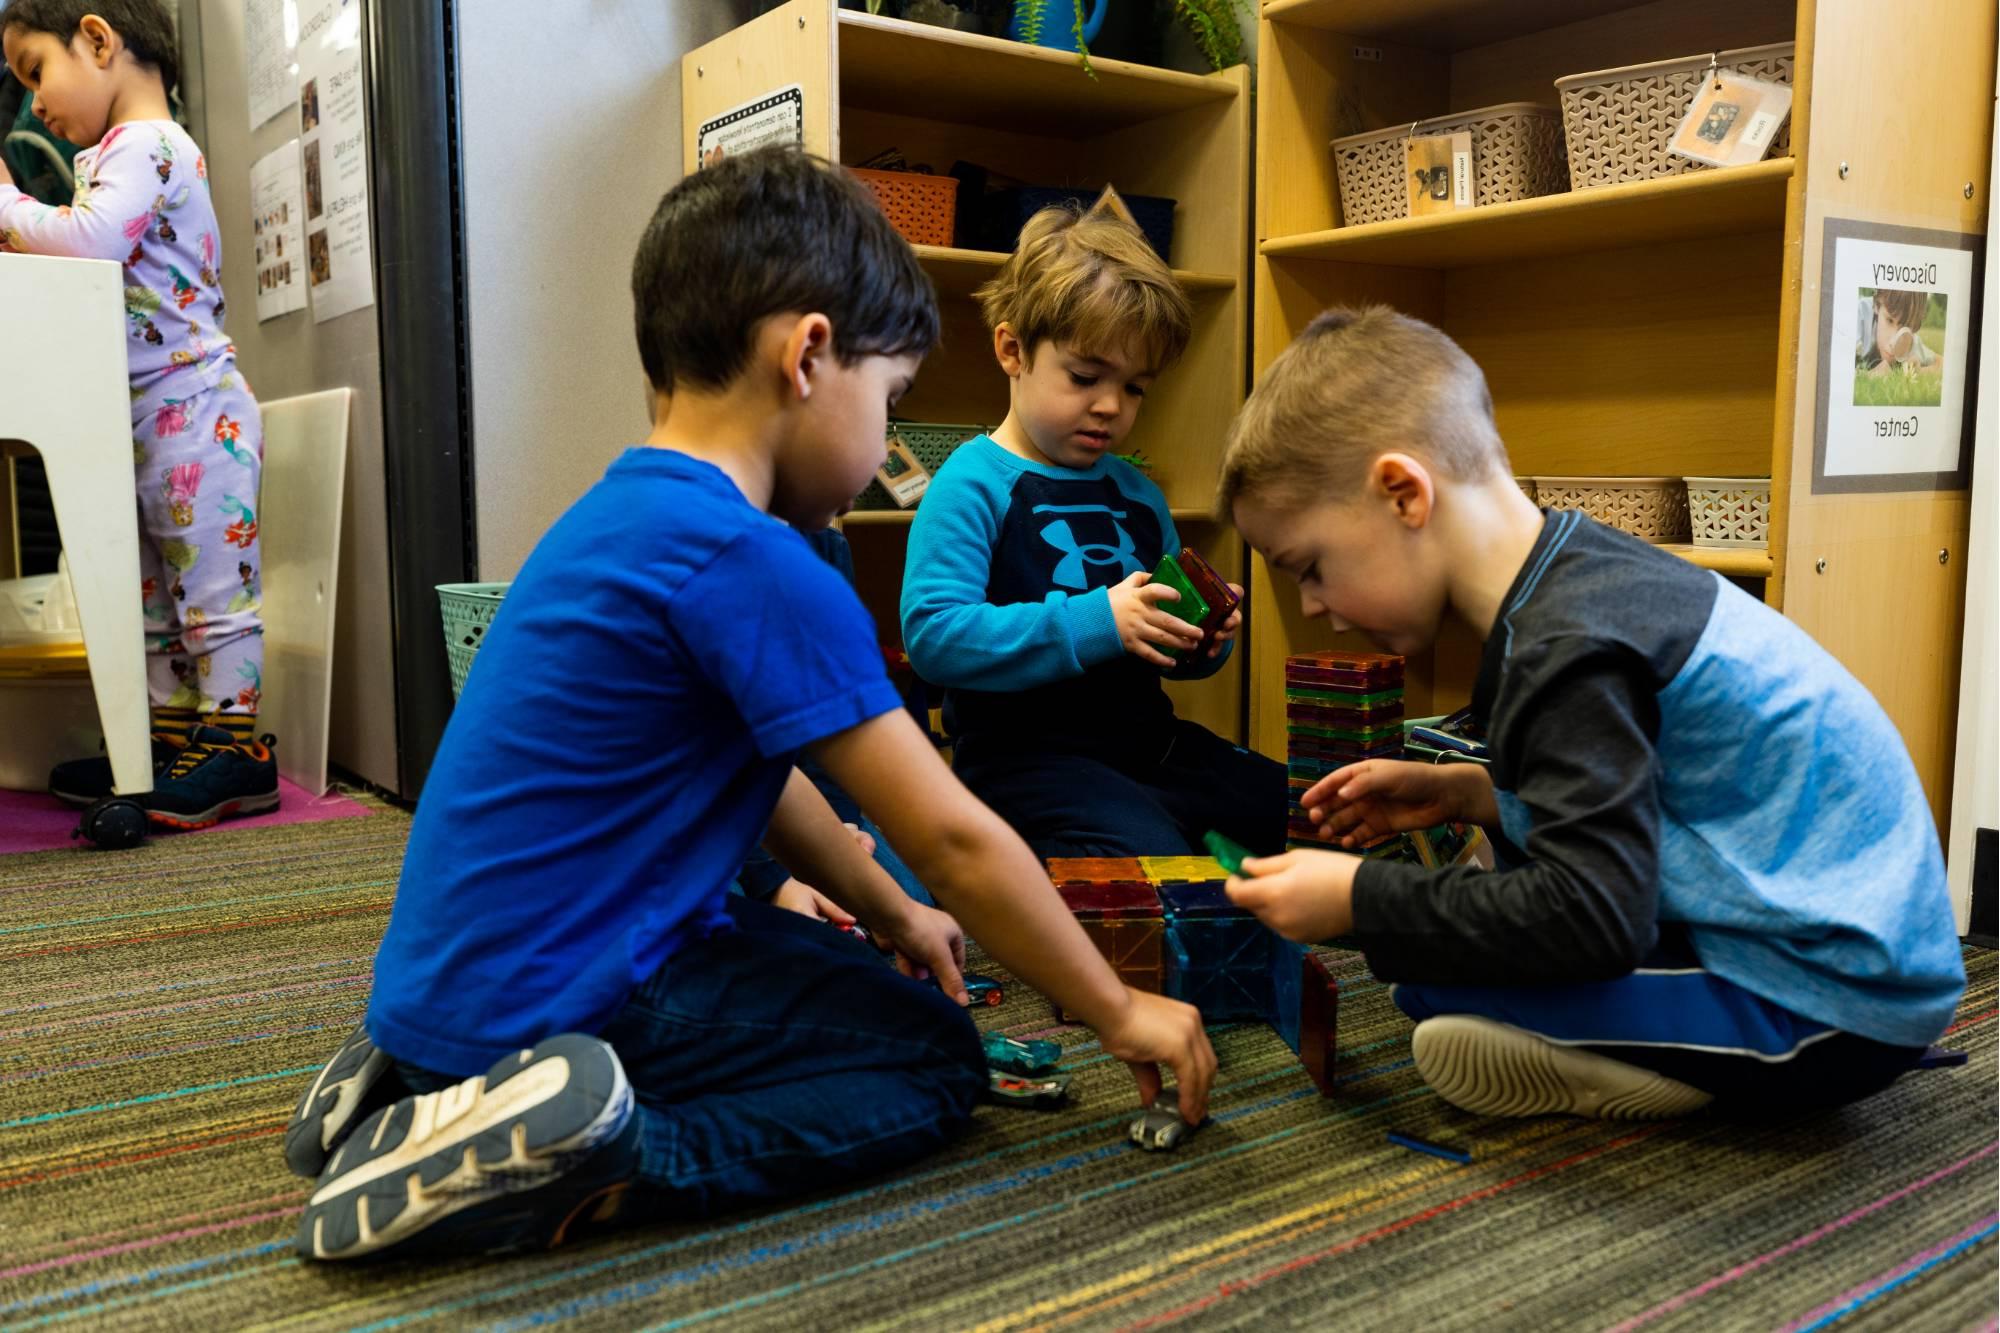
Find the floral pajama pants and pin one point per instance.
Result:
(199, 462)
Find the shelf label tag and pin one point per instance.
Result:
(1732, 119)
(902, 475)
(1440, 172)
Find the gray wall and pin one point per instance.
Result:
(571, 132)
(293, 355)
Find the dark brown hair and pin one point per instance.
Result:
(144, 25)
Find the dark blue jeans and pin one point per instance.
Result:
(1065, 803)
(781, 1058)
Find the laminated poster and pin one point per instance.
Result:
(333, 154)
(1899, 331)
(276, 227)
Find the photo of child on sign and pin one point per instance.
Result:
(1899, 348)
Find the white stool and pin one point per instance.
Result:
(64, 391)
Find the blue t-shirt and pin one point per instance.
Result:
(619, 747)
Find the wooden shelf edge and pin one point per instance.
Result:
(957, 271)
(1744, 562)
(1444, 25)
(1609, 217)
(1197, 86)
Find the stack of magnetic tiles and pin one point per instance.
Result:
(1166, 925)
(1340, 708)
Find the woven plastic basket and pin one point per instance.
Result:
(1652, 508)
(1517, 153)
(468, 609)
(931, 442)
(1527, 485)
(920, 207)
(1618, 123)
(1730, 511)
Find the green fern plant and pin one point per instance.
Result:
(1212, 23)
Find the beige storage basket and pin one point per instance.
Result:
(1527, 485)
(1517, 153)
(1730, 511)
(1652, 508)
(1619, 122)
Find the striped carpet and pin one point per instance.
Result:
(161, 1008)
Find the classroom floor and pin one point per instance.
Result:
(162, 1008)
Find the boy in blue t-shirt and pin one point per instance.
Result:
(1027, 593)
(1721, 881)
(642, 1044)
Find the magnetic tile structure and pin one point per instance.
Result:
(1166, 925)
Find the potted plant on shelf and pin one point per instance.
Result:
(1208, 33)
(1213, 26)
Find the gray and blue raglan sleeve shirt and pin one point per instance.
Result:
(1668, 749)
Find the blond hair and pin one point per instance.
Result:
(1355, 385)
(1091, 280)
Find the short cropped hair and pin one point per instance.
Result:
(145, 26)
(1090, 279)
(767, 233)
(1355, 385)
(1909, 309)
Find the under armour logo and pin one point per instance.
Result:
(1070, 572)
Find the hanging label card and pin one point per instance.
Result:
(902, 475)
(1732, 120)
(1440, 172)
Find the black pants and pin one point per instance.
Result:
(1155, 802)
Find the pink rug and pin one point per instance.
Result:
(38, 822)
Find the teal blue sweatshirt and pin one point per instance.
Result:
(1006, 601)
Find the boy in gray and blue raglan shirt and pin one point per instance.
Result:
(1720, 879)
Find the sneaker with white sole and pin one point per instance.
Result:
(1491, 1068)
(353, 1083)
(509, 1160)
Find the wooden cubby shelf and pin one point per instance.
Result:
(1665, 327)
(1708, 203)
(1030, 115)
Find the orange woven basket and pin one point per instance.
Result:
(919, 207)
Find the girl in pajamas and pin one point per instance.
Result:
(100, 73)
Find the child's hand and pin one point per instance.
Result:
(1143, 628)
(796, 896)
(1304, 896)
(1227, 630)
(1368, 801)
(1154, 1031)
(929, 943)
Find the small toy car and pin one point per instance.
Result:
(1039, 1094)
(980, 990)
(1027, 1058)
(1159, 1128)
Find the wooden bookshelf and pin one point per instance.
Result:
(1662, 327)
(1031, 114)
